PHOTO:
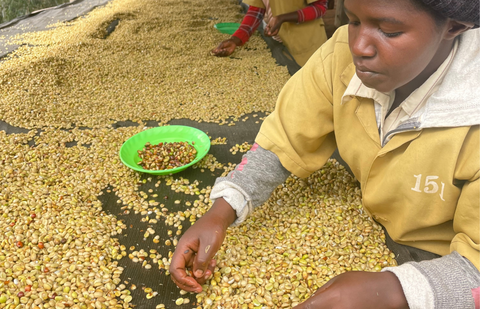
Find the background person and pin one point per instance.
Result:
(296, 23)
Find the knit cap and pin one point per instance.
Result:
(460, 10)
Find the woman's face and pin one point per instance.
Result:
(392, 42)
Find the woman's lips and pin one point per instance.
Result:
(364, 69)
(364, 73)
(368, 76)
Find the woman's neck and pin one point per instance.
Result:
(402, 93)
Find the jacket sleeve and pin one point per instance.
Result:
(449, 282)
(312, 11)
(300, 129)
(466, 222)
(252, 19)
(466, 219)
(251, 183)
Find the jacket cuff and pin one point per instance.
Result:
(235, 196)
(415, 286)
(447, 282)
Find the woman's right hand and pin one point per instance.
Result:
(273, 26)
(227, 47)
(199, 244)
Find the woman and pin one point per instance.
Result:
(397, 93)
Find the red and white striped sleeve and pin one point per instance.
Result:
(250, 23)
(312, 11)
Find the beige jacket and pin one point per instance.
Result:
(423, 185)
(302, 40)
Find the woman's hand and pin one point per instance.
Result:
(198, 245)
(227, 47)
(273, 25)
(359, 290)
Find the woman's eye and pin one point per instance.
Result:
(390, 34)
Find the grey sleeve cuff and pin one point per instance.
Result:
(235, 197)
(251, 183)
(417, 289)
(446, 282)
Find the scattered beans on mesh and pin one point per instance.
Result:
(219, 141)
(240, 148)
(166, 156)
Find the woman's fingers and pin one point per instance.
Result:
(208, 273)
(182, 260)
(203, 258)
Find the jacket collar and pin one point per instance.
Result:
(457, 102)
(347, 74)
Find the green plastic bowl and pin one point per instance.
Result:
(228, 28)
(167, 134)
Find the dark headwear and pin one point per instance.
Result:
(460, 10)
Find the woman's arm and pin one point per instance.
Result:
(250, 23)
(251, 183)
(312, 11)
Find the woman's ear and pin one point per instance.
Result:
(455, 28)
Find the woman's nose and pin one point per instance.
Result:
(361, 44)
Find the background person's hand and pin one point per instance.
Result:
(227, 47)
(273, 26)
(359, 290)
(197, 247)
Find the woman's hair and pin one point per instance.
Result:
(438, 17)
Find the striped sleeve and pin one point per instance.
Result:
(312, 11)
(250, 23)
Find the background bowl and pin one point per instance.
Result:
(228, 28)
(128, 151)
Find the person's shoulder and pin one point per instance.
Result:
(335, 49)
(340, 36)
(338, 43)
